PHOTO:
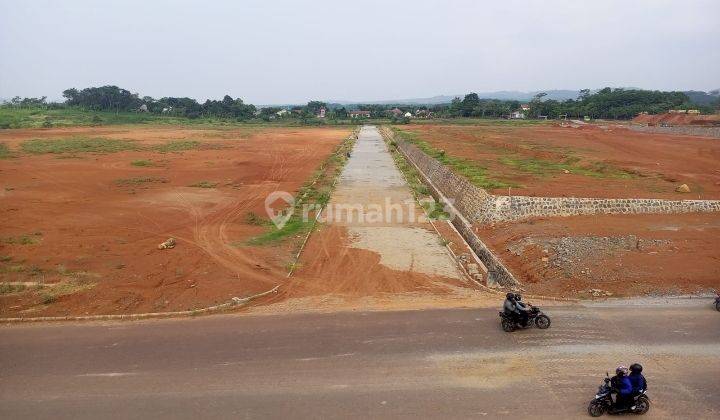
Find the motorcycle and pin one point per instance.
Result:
(717, 302)
(603, 402)
(535, 316)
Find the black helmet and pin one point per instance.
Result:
(636, 368)
(518, 297)
(510, 296)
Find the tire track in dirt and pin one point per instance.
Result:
(211, 231)
(210, 234)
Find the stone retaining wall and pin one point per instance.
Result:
(480, 207)
(444, 184)
(468, 199)
(503, 208)
(497, 272)
(681, 130)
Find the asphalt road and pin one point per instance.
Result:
(417, 364)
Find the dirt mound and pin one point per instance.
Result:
(335, 275)
(672, 118)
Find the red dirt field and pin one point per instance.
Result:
(625, 163)
(91, 223)
(626, 255)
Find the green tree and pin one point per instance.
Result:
(313, 107)
(469, 103)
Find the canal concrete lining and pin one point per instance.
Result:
(374, 202)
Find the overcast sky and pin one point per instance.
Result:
(284, 51)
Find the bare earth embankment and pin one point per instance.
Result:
(590, 256)
(84, 209)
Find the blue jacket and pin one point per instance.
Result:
(638, 382)
(622, 386)
(625, 386)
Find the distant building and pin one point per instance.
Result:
(684, 111)
(396, 112)
(408, 114)
(282, 112)
(359, 114)
(525, 107)
(321, 113)
(517, 115)
(423, 113)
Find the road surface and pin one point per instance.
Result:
(450, 363)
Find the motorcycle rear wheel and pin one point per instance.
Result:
(542, 322)
(507, 326)
(596, 409)
(642, 406)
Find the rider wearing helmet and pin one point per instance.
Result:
(509, 305)
(514, 310)
(522, 310)
(637, 380)
(621, 384)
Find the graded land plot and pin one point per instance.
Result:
(589, 256)
(611, 255)
(376, 249)
(574, 161)
(85, 208)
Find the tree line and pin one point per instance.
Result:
(116, 99)
(113, 98)
(605, 103)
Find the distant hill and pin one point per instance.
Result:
(703, 98)
(559, 95)
(696, 97)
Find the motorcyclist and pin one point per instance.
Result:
(637, 380)
(620, 383)
(522, 310)
(509, 305)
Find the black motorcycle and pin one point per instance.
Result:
(603, 402)
(535, 316)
